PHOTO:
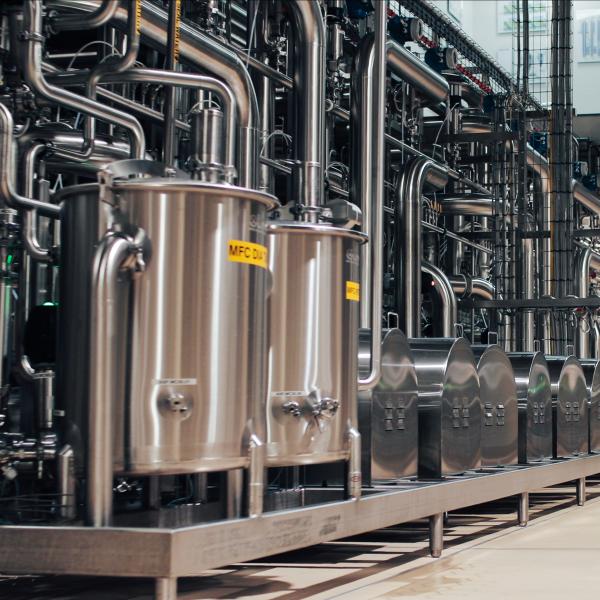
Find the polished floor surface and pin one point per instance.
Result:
(487, 556)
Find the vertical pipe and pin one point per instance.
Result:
(165, 588)
(309, 82)
(375, 170)
(447, 298)
(110, 256)
(66, 482)
(415, 175)
(173, 38)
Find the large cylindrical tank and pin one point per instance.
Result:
(388, 414)
(195, 342)
(591, 370)
(499, 436)
(534, 395)
(313, 333)
(569, 406)
(449, 406)
(83, 221)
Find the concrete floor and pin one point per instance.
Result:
(487, 556)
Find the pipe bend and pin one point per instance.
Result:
(445, 292)
(7, 171)
(100, 16)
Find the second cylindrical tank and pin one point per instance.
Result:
(313, 334)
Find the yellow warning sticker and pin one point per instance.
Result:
(353, 291)
(247, 252)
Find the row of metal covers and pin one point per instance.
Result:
(444, 407)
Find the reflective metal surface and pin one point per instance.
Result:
(313, 332)
(535, 406)
(591, 370)
(83, 222)
(449, 406)
(197, 316)
(569, 406)
(388, 415)
(499, 438)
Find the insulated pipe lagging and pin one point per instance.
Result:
(32, 71)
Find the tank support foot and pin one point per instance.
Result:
(436, 535)
(580, 491)
(354, 483)
(165, 588)
(256, 477)
(523, 509)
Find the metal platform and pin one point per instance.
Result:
(167, 554)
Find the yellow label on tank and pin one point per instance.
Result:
(247, 252)
(353, 291)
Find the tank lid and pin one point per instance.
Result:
(167, 184)
(314, 229)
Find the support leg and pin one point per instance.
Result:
(523, 509)
(166, 588)
(256, 477)
(580, 491)
(354, 483)
(234, 485)
(436, 535)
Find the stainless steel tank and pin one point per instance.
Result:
(196, 364)
(313, 331)
(499, 437)
(388, 415)
(591, 370)
(534, 395)
(449, 406)
(83, 221)
(569, 406)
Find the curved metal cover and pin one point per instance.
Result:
(500, 412)
(449, 406)
(569, 406)
(591, 370)
(388, 415)
(534, 395)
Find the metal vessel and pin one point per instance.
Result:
(313, 335)
(591, 370)
(450, 414)
(534, 396)
(197, 313)
(388, 415)
(499, 437)
(569, 406)
(83, 223)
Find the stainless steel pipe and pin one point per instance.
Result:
(445, 292)
(32, 72)
(417, 173)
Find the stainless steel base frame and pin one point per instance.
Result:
(167, 554)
